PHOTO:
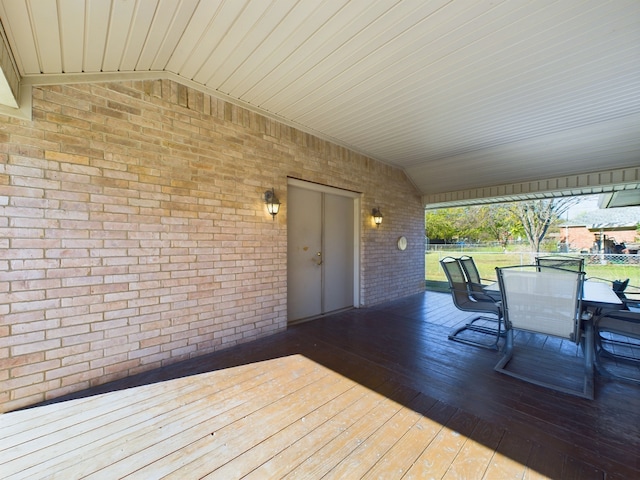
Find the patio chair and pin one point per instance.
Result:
(629, 294)
(617, 340)
(575, 264)
(619, 286)
(632, 302)
(476, 283)
(544, 300)
(483, 330)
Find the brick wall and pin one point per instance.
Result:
(581, 239)
(133, 232)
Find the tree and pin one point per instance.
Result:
(498, 222)
(443, 223)
(538, 215)
(474, 223)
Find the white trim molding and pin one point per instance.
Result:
(9, 76)
(584, 184)
(23, 112)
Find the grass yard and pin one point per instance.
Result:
(488, 261)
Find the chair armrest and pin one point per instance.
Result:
(631, 301)
(620, 321)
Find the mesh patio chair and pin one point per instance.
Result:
(476, 283)
(483, 330)
(617, 340)
(632, 302)
(629, 294)
(575, 264)
(619, 286)
(544, 300)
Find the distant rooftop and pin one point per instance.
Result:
(623, 217)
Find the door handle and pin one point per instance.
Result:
(319, 260)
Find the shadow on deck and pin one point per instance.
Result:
(400, 350)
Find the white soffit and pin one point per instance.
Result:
(461, 95)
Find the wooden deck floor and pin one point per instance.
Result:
(370, 393)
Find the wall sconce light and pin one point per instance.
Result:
(377, 216)
(273, 204)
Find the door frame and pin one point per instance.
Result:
(356, 196)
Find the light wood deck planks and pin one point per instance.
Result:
(284, 418)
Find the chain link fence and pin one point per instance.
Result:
(603, 266)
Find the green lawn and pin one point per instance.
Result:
(488, 261)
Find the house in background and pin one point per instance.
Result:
(138, 141)
(610, 238)
(603, 231)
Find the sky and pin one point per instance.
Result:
(588, 204)
(595, 215)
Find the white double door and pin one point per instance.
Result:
(321, 251)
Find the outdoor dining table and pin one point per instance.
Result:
(594, 294)
(600, 295)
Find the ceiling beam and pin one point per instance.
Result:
(584, 184)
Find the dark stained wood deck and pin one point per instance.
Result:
(376, 392)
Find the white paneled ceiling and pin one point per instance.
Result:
(461, 94)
